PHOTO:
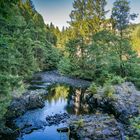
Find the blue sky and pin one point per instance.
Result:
(57, 11)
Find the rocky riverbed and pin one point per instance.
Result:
(47, 106)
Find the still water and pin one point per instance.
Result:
(56, 103)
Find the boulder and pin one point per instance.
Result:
(29, 100)
(124, 103)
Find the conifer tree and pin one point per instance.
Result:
(87, 16)
(122, 17)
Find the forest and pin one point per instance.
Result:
(103, 51)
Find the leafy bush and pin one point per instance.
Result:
(93, 88)
(52, 57)
(64, 66)
(135, 127)
(109, 91)
(114, 79)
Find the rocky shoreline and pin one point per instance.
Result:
(53, 77)
(28, 101)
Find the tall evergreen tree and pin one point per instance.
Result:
(121, 15)
(87, 16)
(121, 18)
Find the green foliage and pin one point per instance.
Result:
(4, 103)
(64, 65)
(85, 19)
(135, 127)
(23, 45)
(52, 34)
(103, 60)
(109, 91)
(79, 123)
(121, 15)
(115, 79)
(121, 19)
(52, 57)
(136, 39)
(87, 15)
(93, 88)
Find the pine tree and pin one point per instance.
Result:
(86, 20)
(121, 17)
(87, 16)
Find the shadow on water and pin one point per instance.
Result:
(60, 99)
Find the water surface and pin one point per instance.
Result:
(56, 103)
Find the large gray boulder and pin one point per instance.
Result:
(124, 103)
(29, 100)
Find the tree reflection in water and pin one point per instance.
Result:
(58, 92)
(72, 95)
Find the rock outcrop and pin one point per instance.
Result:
(96, 127)
(123, 104)
(29, 100)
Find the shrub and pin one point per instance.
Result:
(117, 80)
(64, 66)
(4, 103)
(114, 79)
(93, 88)
(135, 127)
(109, 91)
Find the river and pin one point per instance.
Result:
(55, 105)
